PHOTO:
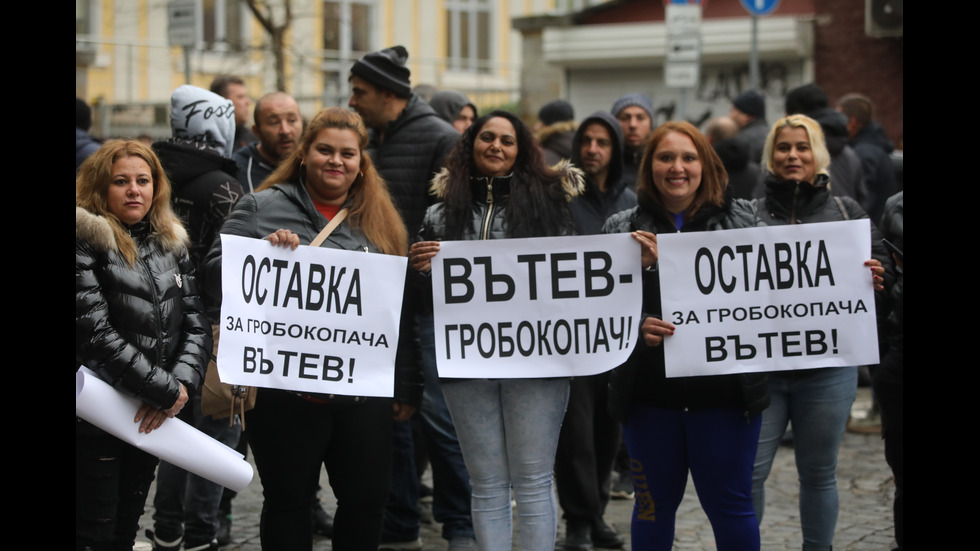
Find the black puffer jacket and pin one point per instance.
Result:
(792, 202)
(642, 379)
(288, 206)
(411, 153)
(141, 328)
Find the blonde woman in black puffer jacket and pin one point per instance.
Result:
(139, 325)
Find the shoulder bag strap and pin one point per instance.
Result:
(325, 232)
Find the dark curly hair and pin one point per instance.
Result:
(538, 203)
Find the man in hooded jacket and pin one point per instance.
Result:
(589, 438)
(202, 175)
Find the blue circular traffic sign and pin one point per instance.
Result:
(759, 7)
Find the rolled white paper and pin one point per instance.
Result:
(175, 441)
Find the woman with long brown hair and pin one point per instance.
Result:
(139, 325)
(706, 426)
(292, 434)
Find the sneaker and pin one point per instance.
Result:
(410, 545)
(622, 488)
(161, 545)
(224, 530)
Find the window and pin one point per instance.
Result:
(347, 25)
(221, 24)
(468, 32)
(83, 17)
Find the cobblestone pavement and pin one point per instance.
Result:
(865, 522)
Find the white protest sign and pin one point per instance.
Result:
(543, 307)
(311, 320)
(768, 299)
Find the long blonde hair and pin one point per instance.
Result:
(371, 207)
(92, 186)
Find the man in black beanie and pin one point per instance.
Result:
(408, 143)
(749, 113)
(409, 140)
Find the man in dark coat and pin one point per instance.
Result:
(589, 438)
(202, 176)
(872, 145)
(408, 144)
(749, 113)
(279, 126)
(635, 115)
(555, 129)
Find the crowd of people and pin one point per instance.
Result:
(396, 173)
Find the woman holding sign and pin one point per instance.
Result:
(139, 325)
(495, 185)
(708, 426)
(291, 434)
(817, 402)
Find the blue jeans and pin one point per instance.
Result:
(186, 504)
(508, 431)
(817, 403)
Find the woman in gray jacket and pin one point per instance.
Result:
(292, 434)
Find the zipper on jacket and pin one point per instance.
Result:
(792, 210)
(161, 359)
(488, 217)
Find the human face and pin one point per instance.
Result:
(278, 127)
(464, 119)
(368, 101)
(495, 147)
(676, 171)
(740, 118)
(792, 157)
(239, 96)
(596, 149)
(130, 192)
(636, 125)
(333, 162)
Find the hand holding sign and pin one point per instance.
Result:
(420, 255)
(648, 252)
(283, 238)
(654, 330)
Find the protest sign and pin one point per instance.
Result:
(542, 307)
(768, 299)
(311, 320)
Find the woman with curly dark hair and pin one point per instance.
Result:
(496, 185)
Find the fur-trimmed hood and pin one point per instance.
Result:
(572, 180)
(548, 132)
(97, 231)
